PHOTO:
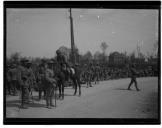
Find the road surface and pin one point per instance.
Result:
(108, 99)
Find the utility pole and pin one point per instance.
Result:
(72, 37)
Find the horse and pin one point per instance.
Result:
(74, 75)
(63, 74)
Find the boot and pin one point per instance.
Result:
(51, 102)
(79, 93)
(47, 103)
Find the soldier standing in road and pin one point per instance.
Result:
(31, 77)
(133, 78)
(8, 80)
(88, 77)
(23, 82)
(50, 84)
(14, 78)
(40, 80)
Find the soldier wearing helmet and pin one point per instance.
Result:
(31, 76)
(13, 73)
(24, 84)
(50, 83)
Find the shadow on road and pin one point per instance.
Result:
(16, 103)
(123, 89)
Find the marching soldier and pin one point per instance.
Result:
(133, 78)
(50, 84)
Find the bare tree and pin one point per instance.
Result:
(103, 47)
(155, 48)
(88, 55)
(15, 57)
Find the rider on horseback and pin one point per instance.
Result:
(61, 62)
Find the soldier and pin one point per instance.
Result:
(31, 77)
(61, 75)
(23, 82)
(88, 77)
(14, 78)
(50, 84)
(40, 80)
(8, 80)
(60, 58)
(133, 78)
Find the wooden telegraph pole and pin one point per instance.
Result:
(72, 38)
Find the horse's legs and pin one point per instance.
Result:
(78, 82)
(75, 85)
(59, 86)
(62, 88)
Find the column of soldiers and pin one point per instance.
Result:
(92, 73)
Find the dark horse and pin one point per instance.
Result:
(63, 74)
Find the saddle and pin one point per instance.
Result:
(72, 71)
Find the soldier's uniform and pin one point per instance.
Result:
(24, 84)
(14, 78)
(61, 59)
(97, 73)
(50, 85)
(60, 73)
(88, 77)
(8, 80)
(31, 78)
(40, 80)
(133, 78)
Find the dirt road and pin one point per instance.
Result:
(109, 99)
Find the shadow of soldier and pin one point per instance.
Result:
(17, 103)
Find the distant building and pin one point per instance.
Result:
(116, 58)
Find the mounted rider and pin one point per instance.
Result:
(61, 72)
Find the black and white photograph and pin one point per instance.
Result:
(82, 63)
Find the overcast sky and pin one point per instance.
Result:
(39, 32)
